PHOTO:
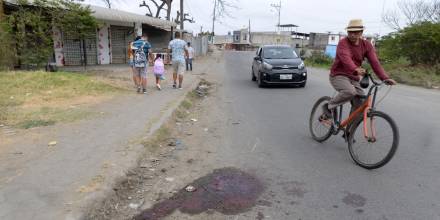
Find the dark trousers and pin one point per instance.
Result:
(189, 64)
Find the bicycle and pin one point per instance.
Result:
(356, 139)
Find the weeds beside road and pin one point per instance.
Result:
(34, 99)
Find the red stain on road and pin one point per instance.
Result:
(229, 191)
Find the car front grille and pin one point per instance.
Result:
(285, 67)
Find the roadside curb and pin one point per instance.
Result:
(79, 211)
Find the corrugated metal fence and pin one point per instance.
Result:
(200, 45)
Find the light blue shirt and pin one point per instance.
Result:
(178, 50)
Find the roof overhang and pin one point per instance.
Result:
(106, 14)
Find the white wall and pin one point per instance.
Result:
(58, 47)
(333, 39)
(104, 55)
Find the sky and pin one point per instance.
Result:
(319, 16)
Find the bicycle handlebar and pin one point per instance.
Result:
(377, 83)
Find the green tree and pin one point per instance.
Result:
(76, 21)
(418, 43)
(30, 27)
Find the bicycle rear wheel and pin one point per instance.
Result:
(320, 130)
(373, 153)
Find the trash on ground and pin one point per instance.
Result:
(136, 205)
(194, 120)
(169, 179)
(190, 188)
(52, 143)
(154, 160)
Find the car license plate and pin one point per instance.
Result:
(285, 76)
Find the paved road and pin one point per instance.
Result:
(308, 180)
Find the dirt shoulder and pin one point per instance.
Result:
(57, 180)
(181, 154)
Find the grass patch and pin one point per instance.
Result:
(35, 123)
(186, 104)
(421, 75)
(36, 98)
(182, 113)
(320, 60)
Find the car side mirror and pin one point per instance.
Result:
(257, 58)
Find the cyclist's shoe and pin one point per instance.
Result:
(326, 113)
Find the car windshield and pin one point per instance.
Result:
(280, 53)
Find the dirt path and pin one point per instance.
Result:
(183, 177)
(38, 181)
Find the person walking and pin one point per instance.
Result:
(159, 70)
(190, 57)
(141, 52)
(131, 61)
(179, 52)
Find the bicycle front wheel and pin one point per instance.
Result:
(320, 130)
(379, 147)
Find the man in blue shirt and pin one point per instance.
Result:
(179, 52)
(141, 52)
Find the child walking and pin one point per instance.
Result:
(159, 70)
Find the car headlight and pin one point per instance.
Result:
(267, 66)
(301, 66)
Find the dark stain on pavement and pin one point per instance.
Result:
(228, 190)
(260, 216)
(359, 211)
(294, 188)
(354, 200)
(264, 203)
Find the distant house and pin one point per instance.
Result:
(245, 40)
(294, 39)
(109, 43)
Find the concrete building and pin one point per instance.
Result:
(109, 43)
(294, 39)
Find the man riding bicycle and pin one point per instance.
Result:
(346, 70)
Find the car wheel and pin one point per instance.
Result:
(254, 78)
(260, 81)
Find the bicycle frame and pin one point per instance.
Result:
(364, 109)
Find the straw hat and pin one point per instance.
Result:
(355, 25)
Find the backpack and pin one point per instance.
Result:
(159, 67)
(140, 57)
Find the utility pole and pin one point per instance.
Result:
(278, 8)
(250, 35)
(213, 15)
(181, 15)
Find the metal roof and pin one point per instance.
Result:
(107, 14)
